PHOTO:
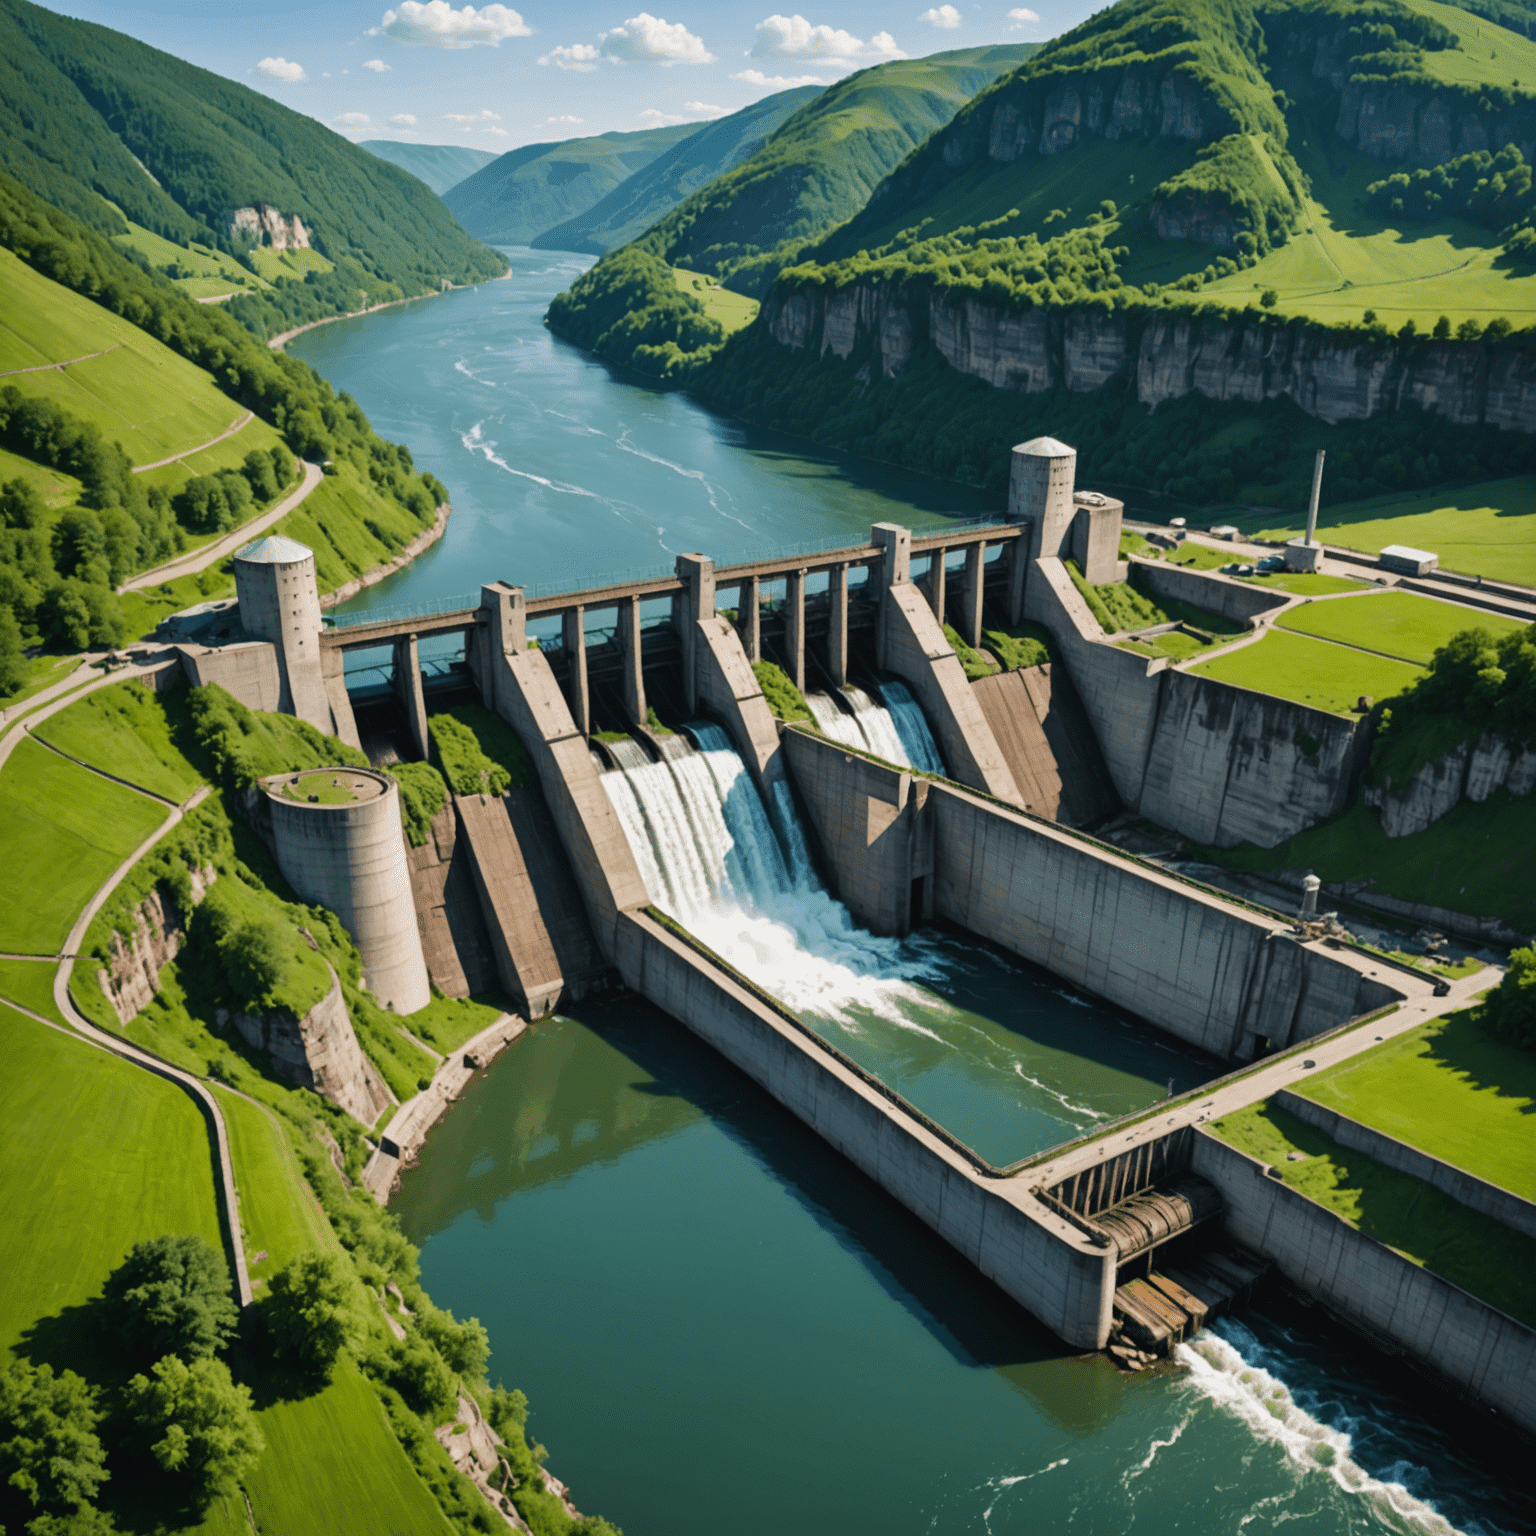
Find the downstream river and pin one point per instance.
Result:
(722, 1326)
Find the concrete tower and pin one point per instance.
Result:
(341, 845)
(280, 603)
(1040, 485)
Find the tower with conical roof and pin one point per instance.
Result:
(280, 603)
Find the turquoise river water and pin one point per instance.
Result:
(722, 1326)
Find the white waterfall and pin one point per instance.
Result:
(709, 857)
(895, 731)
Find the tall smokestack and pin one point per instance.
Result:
(1317, 489)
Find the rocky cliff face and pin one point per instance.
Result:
(1192, 216)
(267, 227)
(132, 975)
(320, 1052)
(1474, 769)
(1166, 356)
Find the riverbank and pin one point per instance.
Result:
(371, 578)
(276, 343)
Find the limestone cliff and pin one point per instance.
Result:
(319, 1052)
(1473, 769)
(1164, 354)
(265, 226)
(131, 976)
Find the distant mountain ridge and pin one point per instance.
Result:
(530, 189)
(441, 166)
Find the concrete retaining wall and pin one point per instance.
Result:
(1480, 1350)
(1232, 599)
(729, 690)
(1474, 1193)
(1045, 1264)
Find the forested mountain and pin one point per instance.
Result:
(528, 190)
(107, 128)
(634, 205)
(439, 165)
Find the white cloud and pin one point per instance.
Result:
(647, 39)
(404, 120)
(945, 16)
(1022, 16)
(703, 109)
(778, 82)
(378, 66)
(352, 120)
(437, 25)
(579, 56)
(497, 133)
(473, 119)
(821, 47)
(282, 69)
(660, 119)
(565, 122)
(884, 44)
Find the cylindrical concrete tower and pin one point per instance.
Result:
(1040, 484)
(280, 602)
(341, 845)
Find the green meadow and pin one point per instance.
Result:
(129, 732)
(292, 264)
(1401, 624)
(30, 983)
(731, 310)
(206, 272)
(1310, 671)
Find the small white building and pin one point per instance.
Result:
(1406, 561)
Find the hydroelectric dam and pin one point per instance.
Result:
(769, 881)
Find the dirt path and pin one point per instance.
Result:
(85, 357)
(210, 554)
(176, 458)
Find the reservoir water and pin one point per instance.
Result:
(721, 1325)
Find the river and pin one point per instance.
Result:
(721, 1325)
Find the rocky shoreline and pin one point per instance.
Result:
(371, 578)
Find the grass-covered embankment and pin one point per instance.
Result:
(1309, 671)
(1411, 1217)
(1404, 625)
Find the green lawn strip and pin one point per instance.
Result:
(731, 311)
(127, 731)
(57, 488)
(30, 983)
(144, 609)
(784, 699)
(1449, 1088)
(1401, 624)
(1413, 1218)
(1194, 557)
(64, 830)
(333, 1464)
(1476, 859)
(446, 1023)
(95, 1155)
(42, 672)
(1304, 583)
(1487, 528)
(1309, 671)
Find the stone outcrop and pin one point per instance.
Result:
(1163, 356)
(1472, 770)
(265, 226)
(1189, 215)
(131, 976)
(319, 1052)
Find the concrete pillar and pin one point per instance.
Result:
(837, 634)
(749, 618)
(629, 645)
(697, 573)
(502, 632)
(1018, 570)
(406, 680)
(895, 545)
(794, 626)
(573, 624)
(975, 591)
(938, 594)
(1040, 485)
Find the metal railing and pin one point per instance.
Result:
(428, 608)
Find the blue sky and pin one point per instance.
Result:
(496, 76)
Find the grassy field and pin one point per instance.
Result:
(30, 983)
(1408, 1215)
(732, 311)
(334, 1465)
(144, 609)
(64, 830)
(1309, 671)
(229, 454)
(55, 487)
(95, 1155)
(210, 271)
(295, 264)
(129, 732)
(1449, 1088)
(1475, 859)
(1489, 54)
(1305, 583)
(1486, 529)
(43, 671)
(138, 392)
(1401, 624)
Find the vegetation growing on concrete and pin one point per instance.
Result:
(245, 746)
(784, 699)
(478, 751)
(1415, 1219)
(1457, 1087)
(1022, 645)
(976, 665)
(422, 795)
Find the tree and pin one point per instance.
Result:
(84, 1521)
(1269, 298)
(1511, 1007)
(20, 504)
(282, 464)
(49, 1450)
(13, 661)
(1469, 330)
(260, 475)
(1442, 328)
(255, 958)
(1370, 317)
(170, 1296)
(421, 1377)
(198, 1422)
(309, 1312)
(79, 615)
(466, 1347)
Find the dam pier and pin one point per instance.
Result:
(672, 815)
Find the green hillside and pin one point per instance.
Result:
(529, 190)
(110, 130)
(634, 205)
(439, 165)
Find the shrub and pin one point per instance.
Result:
(421, 1376)
(976, 665)
(465, 1347)
(197, 1423)
(170, 1296)
(478, 751)
(784, 699)
(309, 1312)
(422, 795)
(1510, 1011)
(49, 1450)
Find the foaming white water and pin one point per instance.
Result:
(1228, 1365)
(912, 727)
(878, 727)
(709, 857)
(835, 723)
